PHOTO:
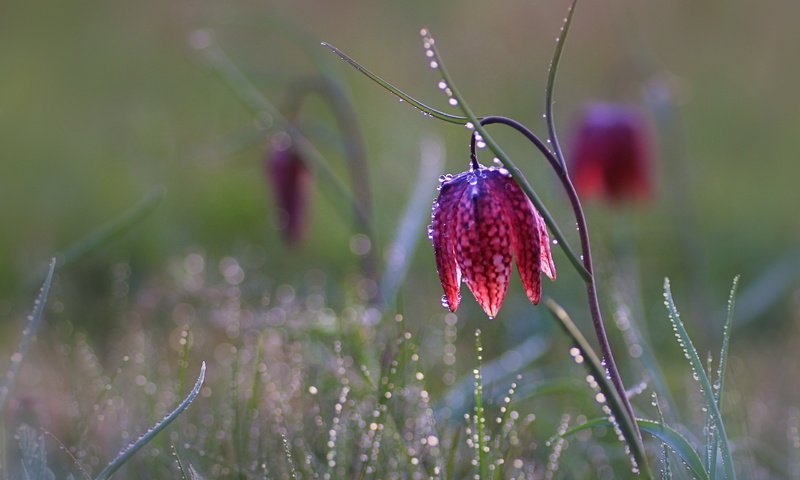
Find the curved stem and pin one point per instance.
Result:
(269, 117)
(396, 91)
(354, 153)
(586, 254)
(551, 83)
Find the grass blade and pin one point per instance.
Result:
(726, 339)
(113, 229)
(699, 374)
(401, 250)
(396, 91)
(723, 361)
(449, 471)
(677, 442)
(455, 401)
(479, 418)
(126, 453)
(767, 289)
(592, 363)
(28, 333)
(666, 469)
(34, 455)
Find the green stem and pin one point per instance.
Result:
(551, 83)
(616, 402)
(480, 444)
(396, 91)
(580, 219)
(354, 154)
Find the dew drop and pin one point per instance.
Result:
(434, 64)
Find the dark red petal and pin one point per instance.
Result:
(291, 182)
(483, 249)
(443, 236)
(526, 241)
(546, 259)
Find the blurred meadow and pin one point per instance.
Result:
(111, 116)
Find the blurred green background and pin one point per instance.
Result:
(101, 102)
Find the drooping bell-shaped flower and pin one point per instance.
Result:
(291, 181)
(610, 154)
(481, 221)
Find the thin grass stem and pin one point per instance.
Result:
(28, 334)
(126, 453)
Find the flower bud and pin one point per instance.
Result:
(291, 182)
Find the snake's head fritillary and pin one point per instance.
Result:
(610, 154)
(291, 181)
(481, 222)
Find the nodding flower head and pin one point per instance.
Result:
(610, 154)
(291, 181)
(481, 219)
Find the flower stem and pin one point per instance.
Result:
(271, 117)
(586, 255)
(556, 159)
(354, 153)
(551, 83)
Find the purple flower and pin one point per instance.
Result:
(481, 219)
(291, 182)
(610, 155)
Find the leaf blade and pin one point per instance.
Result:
(394, 90)
(592, 363)
(671, 437)
(28, 333)
(126, 453)
(700, 374)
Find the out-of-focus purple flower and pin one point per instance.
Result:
(481, 219)
(610, 155)
(291, 181)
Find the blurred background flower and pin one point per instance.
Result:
(290, 180)
(611, 153)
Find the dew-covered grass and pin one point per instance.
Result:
(297, 389)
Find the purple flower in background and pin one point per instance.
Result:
(291, 181)
(610, 155)
(481, 219)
